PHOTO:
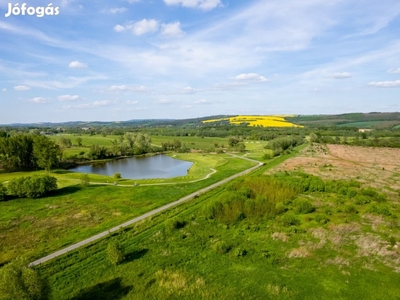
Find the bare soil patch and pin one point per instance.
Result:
(375, 167)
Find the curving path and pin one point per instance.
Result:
(146, 215)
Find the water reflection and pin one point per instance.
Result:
(158, 166)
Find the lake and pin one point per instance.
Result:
(158, 166)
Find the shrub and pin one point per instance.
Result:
(174, 224)
(115, 252)
(2, 192)
(380, 209)
(17, 281)
(290, 219)
(32, 187)
(221, 247)
(239, 252)
(303, 206)
(117, 176)
(84, 179)
(350, 209)
(322, 219)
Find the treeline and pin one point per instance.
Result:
(362, 139)
(26, 152)
(285, 144)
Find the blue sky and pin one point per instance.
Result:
(137, 59)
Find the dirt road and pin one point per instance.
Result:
(146, 215)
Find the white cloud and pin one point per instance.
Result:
(228, 86)
(68, 97)
(385, 84)
(342, 75)
(69, 82)
(143, 26)
(200, 4)
(4, 90)
(127, 88)
(164, 101)
(116, 10)
(132, 1)
(119, 28)
(132, 102)
(77, 65)
(188, 90)
(394, 71)
(21, 88)
(251, 77)
(39, 100)
(88, 105)
(172, 29)
(202, 101)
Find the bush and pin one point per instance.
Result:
(290, 219)
(174, 224)
(322, 219)
(303, 206)
(115, 252)
(2, 192)
(17, 281)
(350, 209)
(239, 252)
(221, 247)
(117, 176)
(32, 187)
(85, 181)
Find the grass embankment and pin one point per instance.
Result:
(287, 236)
(39, 227)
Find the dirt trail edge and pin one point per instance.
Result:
(146, 215)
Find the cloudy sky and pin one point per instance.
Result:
(138, 59)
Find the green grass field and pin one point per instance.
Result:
(40, 226)
(343, 249)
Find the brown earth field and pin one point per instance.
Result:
(375, 167)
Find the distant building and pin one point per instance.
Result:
(46, 133)
(364, 130)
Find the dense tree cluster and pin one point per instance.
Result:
(281, 144)
(24, 152)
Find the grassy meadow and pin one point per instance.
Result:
(281, 236)
(37, 227)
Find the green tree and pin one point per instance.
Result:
(117, 175)
(79, 141)
(66, 142)
(115, 252)
(16, 153)
(46, 152)
(18, 281)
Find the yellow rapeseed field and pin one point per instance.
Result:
(264, 121)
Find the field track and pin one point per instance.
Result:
(146, 215)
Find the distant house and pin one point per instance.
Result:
(364, 130)
(46, 133)
(85, 128)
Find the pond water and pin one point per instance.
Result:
(158, 166)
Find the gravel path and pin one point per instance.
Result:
(146, 215)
